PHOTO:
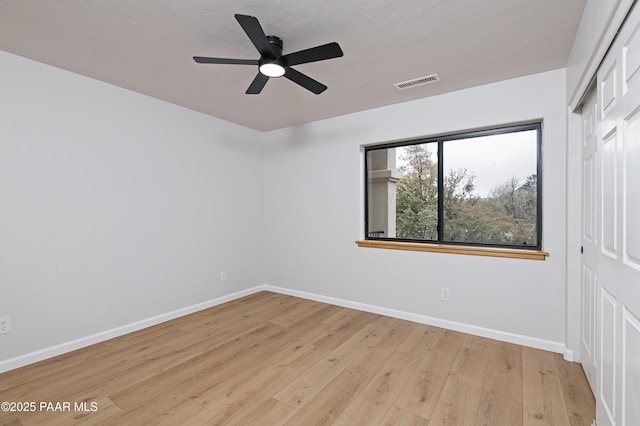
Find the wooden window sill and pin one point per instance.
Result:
(455, 249)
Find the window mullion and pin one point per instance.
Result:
(440, 192)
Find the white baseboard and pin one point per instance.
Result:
(503, 336)
(42, 354)
(62, 348)
(568, 355)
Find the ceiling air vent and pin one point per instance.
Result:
(420, 81)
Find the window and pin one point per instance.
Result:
(478, 188)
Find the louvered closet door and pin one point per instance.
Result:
(616, 270)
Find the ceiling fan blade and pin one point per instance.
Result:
(318, 53)
(205, 60)
(305, 81)
(257, 84)
(254, 31)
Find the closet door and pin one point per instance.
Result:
(616, 269)
(590, 256)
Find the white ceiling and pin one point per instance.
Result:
(147, 46)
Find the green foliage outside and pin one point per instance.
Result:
(507, 215)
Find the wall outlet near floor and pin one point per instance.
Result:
(5, 325)
(223, 276)
(444, 294)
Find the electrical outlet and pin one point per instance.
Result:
(444, 294)
(5, 325)
(223, 276)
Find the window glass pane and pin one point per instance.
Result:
(402, 187)
(490, 189)
(417, 194)
(382, 179)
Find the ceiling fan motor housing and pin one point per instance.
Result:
(276, 45)
(275, 66)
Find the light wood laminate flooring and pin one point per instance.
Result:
(271, 359)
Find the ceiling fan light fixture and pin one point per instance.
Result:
(272, 69)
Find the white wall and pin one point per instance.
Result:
(314, 209)
(116, 207)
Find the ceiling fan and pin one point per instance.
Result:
(272, 62)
